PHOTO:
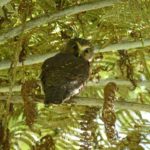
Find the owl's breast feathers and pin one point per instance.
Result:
(62, 76)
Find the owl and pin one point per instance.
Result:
(64, 74)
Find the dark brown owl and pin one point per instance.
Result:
(64, 74)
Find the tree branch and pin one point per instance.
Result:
(126, 45)
(34, 59)
(97, 102)
(101, 83)
(118, 104)
(55, 16)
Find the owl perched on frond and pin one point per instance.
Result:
(64, 74)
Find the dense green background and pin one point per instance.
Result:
(29, 33)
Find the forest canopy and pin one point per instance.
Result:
(111, 111)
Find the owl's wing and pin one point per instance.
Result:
(62, 74)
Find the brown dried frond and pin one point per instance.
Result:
(88, 127)
(29, 88)
(95, 73)
(135, 34)
(23, 52)
(4, 137)
(126, 66)
(2, 20)
(132, 141)
(108, 112)
(1, 132)
(46, 143)
(25, 9)
(28, 95)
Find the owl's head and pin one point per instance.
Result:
(80, 48)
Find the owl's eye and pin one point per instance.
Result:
(75, 46)
(87, 50)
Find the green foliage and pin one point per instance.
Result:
(69, 126)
